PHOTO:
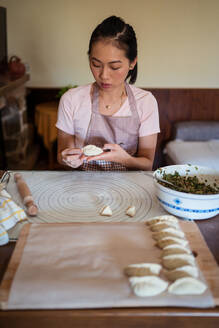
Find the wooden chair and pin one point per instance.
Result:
(45, 120)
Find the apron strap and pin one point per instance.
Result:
(95, 100)
(132, 102)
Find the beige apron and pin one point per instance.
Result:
(103, 129)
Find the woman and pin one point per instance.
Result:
(110, 113)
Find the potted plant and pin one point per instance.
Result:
(64, 89)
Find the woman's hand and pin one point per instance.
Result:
(72, 157)
(143, 159)
(112, 153)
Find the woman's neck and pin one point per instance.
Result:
(111, 101)
(110, 96)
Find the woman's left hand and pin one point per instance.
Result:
(112, 153)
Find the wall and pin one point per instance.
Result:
(178, 39)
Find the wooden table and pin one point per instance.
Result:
(120, 317)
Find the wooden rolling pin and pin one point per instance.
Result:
(26, 195)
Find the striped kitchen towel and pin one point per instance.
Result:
(10, 214)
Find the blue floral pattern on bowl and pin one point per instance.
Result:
(177, 201)
(188, 209)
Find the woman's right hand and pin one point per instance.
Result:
(72, 157)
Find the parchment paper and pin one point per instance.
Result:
(81, 266)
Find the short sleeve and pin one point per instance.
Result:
(149, 115)
(66, 114)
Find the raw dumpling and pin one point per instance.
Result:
(187, 286)
(169, 232)
(163, 225)
(175, 249)
(181, 272)
(131, 211)
(174, 261)
(142, 269)
(170, 241)
(148, 285)
(163, 218)
(92, 150)
(106, 211)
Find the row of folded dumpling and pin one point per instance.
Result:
(178, 263)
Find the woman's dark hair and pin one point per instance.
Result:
(122, 35)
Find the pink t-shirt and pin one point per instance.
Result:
(74, 112)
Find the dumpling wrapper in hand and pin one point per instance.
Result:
(181, 272)
(92, 150)
(174, 261)
(131, 211)
(106, 211)
(187, 286)
(148, 285)
(142, 269)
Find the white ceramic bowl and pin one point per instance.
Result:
(185, 205)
